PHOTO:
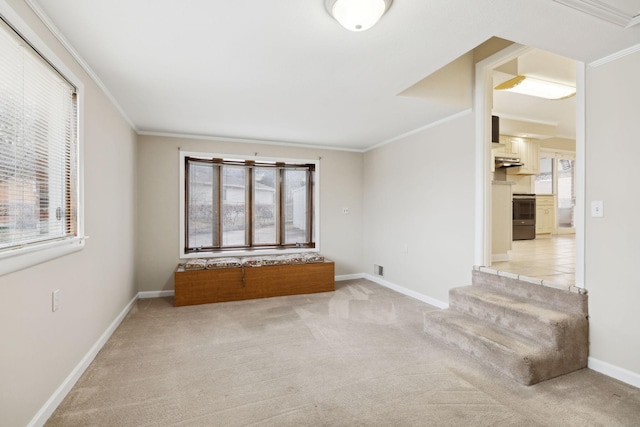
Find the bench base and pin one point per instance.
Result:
(235, 284)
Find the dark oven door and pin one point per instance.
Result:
(524, 217)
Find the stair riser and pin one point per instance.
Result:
(553, 332)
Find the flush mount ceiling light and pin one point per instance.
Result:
(357, 15)
(536, 87)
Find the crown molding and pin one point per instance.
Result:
(602, 11)
(615, 56)
(83, 64)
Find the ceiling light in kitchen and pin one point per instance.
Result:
(537, 87)
(357, 15)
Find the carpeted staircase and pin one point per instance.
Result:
(525, 330)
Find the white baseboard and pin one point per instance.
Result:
(500, 257)
(349, 277)
(624, 375)
(405, 291)
(155, 294)
(58, 396)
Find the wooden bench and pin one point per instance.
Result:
(242, 283)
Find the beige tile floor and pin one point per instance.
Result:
(547, 258)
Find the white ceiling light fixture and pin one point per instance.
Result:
(357, 15)
(526, 85)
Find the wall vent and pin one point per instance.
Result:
(378, 270)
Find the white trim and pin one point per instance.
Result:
(35, 254)
(58, 396)
(615, 56)
(246, 141)
(483, 106)
(621, 374)
(65, 43)
(500, 257)
(344, 277)
(580, 173)
(407, 292)
(155, 294)
(564, 154)
(420, 129)
(205, 155)
(601, 10)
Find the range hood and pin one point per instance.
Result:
(508, 162)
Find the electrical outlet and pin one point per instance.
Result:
(55, 300)
(345, 211)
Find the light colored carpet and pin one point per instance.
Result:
(356, 357)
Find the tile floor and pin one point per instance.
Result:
(547, 258)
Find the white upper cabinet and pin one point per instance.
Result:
(525, 149)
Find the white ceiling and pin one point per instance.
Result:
(559, 115)
(285, 71)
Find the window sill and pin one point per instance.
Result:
(239, 253)
(20, 259)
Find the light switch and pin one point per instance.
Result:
(597, 209)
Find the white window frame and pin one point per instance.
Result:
(227, 253)
(36, 253)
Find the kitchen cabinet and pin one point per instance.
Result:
(525, 149)
(545, 213)
(507, 149)
(529, 150)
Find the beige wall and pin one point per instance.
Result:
(612, 242)
(40, 348)
(158, 202)
(559, 144)
(419, 192)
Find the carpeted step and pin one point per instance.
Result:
(525, 360)
(563, 300)
(555, 328)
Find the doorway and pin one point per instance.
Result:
(569, 189)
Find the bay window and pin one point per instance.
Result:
(247, 204)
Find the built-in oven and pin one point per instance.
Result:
(524, 216)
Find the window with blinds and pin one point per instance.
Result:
(38, 148)
(247, 204)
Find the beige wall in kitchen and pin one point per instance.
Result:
(158, 202)
(612, 248)
(40, 348)
(564, 144)
(416, 197)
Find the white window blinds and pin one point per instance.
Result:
(38, 148)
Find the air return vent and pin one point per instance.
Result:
(378, 270)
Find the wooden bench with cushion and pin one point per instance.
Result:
(202, 281)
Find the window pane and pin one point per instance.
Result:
(234, 196)
(295, 206)
(265, 230)
(38, 152)
(202, 204)
(566, 193)
(544, 180)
